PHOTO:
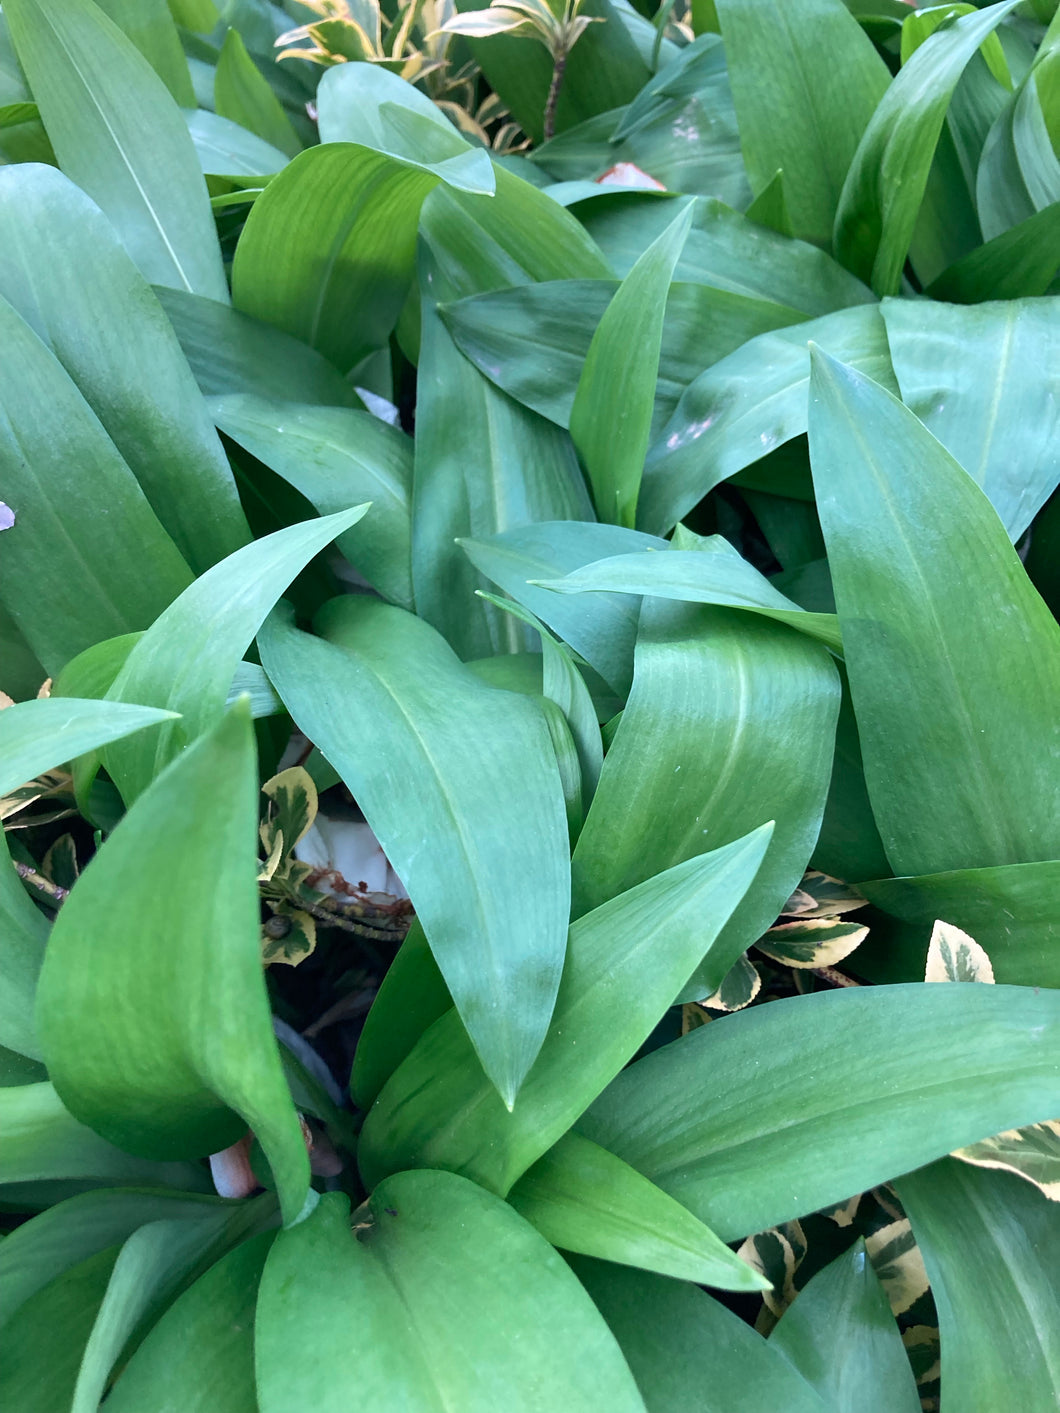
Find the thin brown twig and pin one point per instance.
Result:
(558, 69)
(837, 978)
(38, 881)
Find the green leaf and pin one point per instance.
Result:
(151, 27)
(438, 1109)
(23, 936)
(119, 135)
(987, 1239)
(188, 657)
(44, 1142)
(532, 340)
(951, 656)
(86, 558)
(584, 1199)
(152, 1007)
(713, 573)
(747, 405)
(243, 95)
(483, 464)
(484, 855)
(602, 628)
(805, 85)
(1019, 172)
(226, 150)
(66, 273)
(1012, 911)
(725, 250)
(1020, 262)
(232, 353)
(410, 1313)
(688, 1353)
(750, 1121)
(718, 697)
(841, 1336)
(335, 456)
(978, 379)
(612, 411)
(883, 190)
(327, 253)
(215, 1318)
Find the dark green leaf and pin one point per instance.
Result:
(1020, 262)
(242, 94)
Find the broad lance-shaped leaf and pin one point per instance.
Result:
(983, 380)
(45, 1144)
(151, 26)
(1019, 263)
(152, 1008)
(120, 136)
(714, 574)
(730, 1123)
(601, 628)
(584, 1199)
(805, 85)
(63, 268)
(952, 657)
(242, 93)
(460, 786)
(611, 416)
(885, 184)
(438, 1109)
(989, 1243)
(215, 1318)
(747, 405)
(718, 697)
(335, 455)
(327, 251)
(841, 1336)
(188, 657)
(483, 465)
(532, 339)
(86, 557)
(226, 150)
(442, 1322)
(688, 1353)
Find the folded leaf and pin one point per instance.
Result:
(119, 135)
(439, 1321)
(438, 1109)
(736, 1123)
(951, 656)
(152, 1007)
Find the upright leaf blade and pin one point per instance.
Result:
(242, 93)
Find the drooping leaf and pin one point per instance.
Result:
(610, 418)
(584, 1199)
(440, 1321)
(152, 1008)
(66, 273)
(950, 656)
(489, 878)
(766, 1143)
(841, 1336)
(119, 135)
(805, 85)
(438, 1109)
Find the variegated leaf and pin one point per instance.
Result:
(777, 1255)
(922, 1346)
(289, 936)
(740, 987)
(954, 956)
(843, 1213)
(294, 803)
(1032, 1153)
(898, 1263)
(811, 942)
(820, 895)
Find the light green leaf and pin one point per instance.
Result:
(713, 574)
(750, 1121)
(151, 27)
(243, 95)
(336, 456)
(438, 1109)
(582, 1198)
(152, 1007)
(86, 557)
(987, 1240)
(23, 935)
(841, 1336)
(64, 270)
(226, 150)
(119, 135)
(982, 381)
(950, 656)
(484, 853)
(611, 415)
(188, 657)
(688, 1353)
(805, 85)
(410, 1313)
(747, 405)
(885, 184)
